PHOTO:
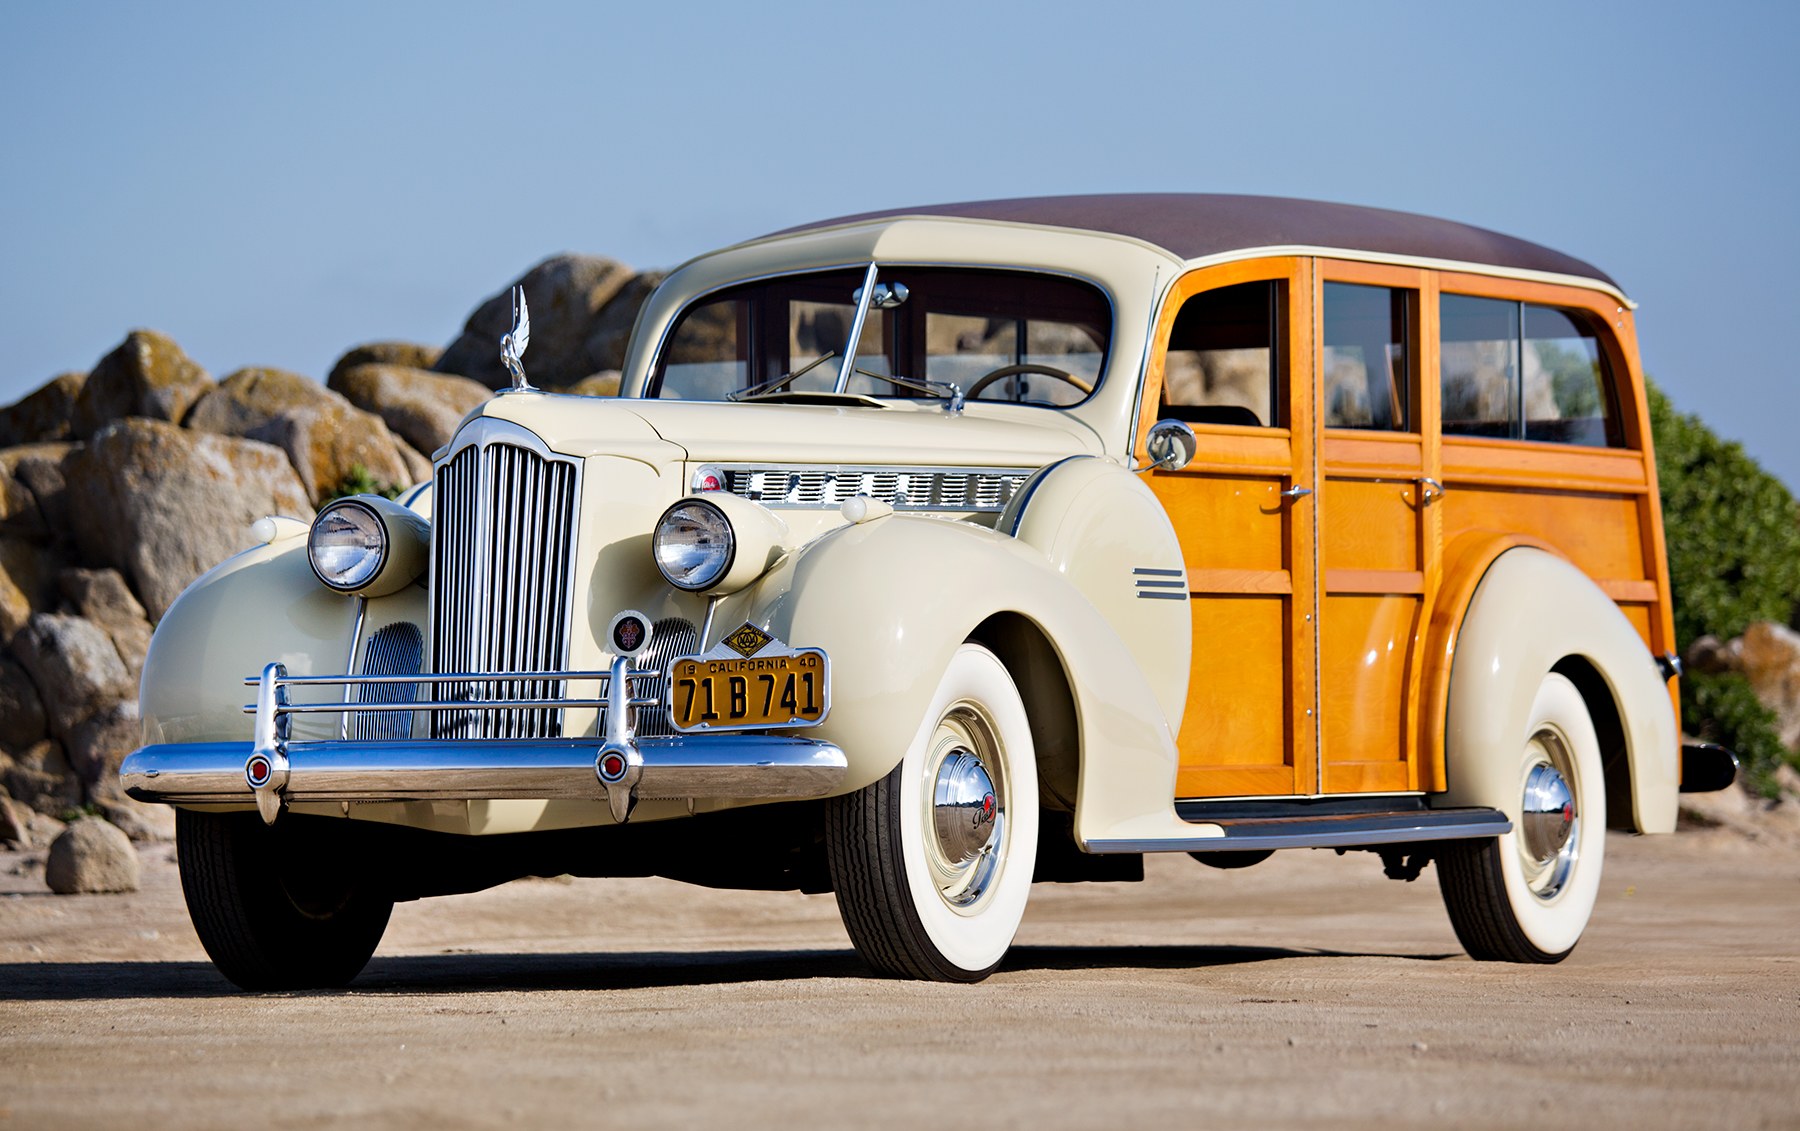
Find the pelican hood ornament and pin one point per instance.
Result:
(512, 345)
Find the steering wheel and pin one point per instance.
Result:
(1006, 371)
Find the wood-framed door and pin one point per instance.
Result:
(1379, 522)
(1244, 512)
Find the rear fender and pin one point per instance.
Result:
(1532, 611)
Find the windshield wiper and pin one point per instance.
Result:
(930, 388)
(775, 383)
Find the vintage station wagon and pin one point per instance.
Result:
(931, 553)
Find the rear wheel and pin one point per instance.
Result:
(282, 907)
(1526, 896)
(933, 863)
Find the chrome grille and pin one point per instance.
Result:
(397, 649)
(918, 489)
(502, 544)
(669, 638)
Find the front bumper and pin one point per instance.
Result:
(616, 765)
(708, 765)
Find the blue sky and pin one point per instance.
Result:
(273, 184)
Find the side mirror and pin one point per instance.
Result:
(1171, 446)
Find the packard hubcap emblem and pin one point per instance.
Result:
(748, 640)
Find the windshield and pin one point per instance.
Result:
(991, 335)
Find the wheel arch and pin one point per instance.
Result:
(1043, 683)
(1533, 612)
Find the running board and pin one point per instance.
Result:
(1256, 827)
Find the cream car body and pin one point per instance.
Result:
(1026, 542)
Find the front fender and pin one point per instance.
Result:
(261, 606)
(891, 599)
(1530, 611)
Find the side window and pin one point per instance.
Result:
(1523, 371)
(1366, 368)
(1568, 391)
(1224, 363)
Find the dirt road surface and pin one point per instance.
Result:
(1305, 992)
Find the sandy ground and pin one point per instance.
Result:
(1305, 992)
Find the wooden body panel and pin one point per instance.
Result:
(1322, 667)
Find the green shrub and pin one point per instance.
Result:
(1733, 530)
(361, 482)
(1733, 533)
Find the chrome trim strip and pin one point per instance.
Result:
(818, 486)
(1141, 571)
(1162, 595)
(736, 766)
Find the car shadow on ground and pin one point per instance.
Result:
(488, 973)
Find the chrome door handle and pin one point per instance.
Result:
(1296, 492)
(1430, 490)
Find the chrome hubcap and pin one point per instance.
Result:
(965, 835)
(1549, 819)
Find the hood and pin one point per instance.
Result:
(893, 434)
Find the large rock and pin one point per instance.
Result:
(75, 667)
(22, 719)
(39, 469)
(325, 436)
(421, 406)
(565, 293)
(163, 504)
(42, 415)
(147, 375)
(27, 582)
(40, 777)
(1769, 655)
(91, 856)
(102, 596)
(15, 822)
(406, 355)
(610, 330)
(97, 746)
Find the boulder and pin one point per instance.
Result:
(610, 330)
(147, 375)
(97, 745)
(162, 504)
(325, 436)
(102, 596)
(42, 415)
(136, 819)
(27, 582)
(75, 667)
(39, 776)
(564, 293)
(22, 719)
(598, 385)
(1770, 657)
(15, 822)
(406, 355)
(38, 468)
(421, 407)
(19, 513)
(91, 856)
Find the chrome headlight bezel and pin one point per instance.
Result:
(377, 545)
(718, 538)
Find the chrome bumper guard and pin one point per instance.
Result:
(618, 765)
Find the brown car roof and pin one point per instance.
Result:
(1193, 225)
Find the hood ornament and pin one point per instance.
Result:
(512, 345)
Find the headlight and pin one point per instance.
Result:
(368, 546)
(347, 545)
(694, 544)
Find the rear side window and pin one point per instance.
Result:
(1366, 367)
(1522, 371)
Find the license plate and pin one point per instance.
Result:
(757, 691)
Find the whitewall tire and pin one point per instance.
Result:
(1527, 896)
(933, 863)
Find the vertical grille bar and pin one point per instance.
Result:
(500, 603)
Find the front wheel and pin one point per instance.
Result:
(933, 863)
(1526, 896)
(278, 908)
